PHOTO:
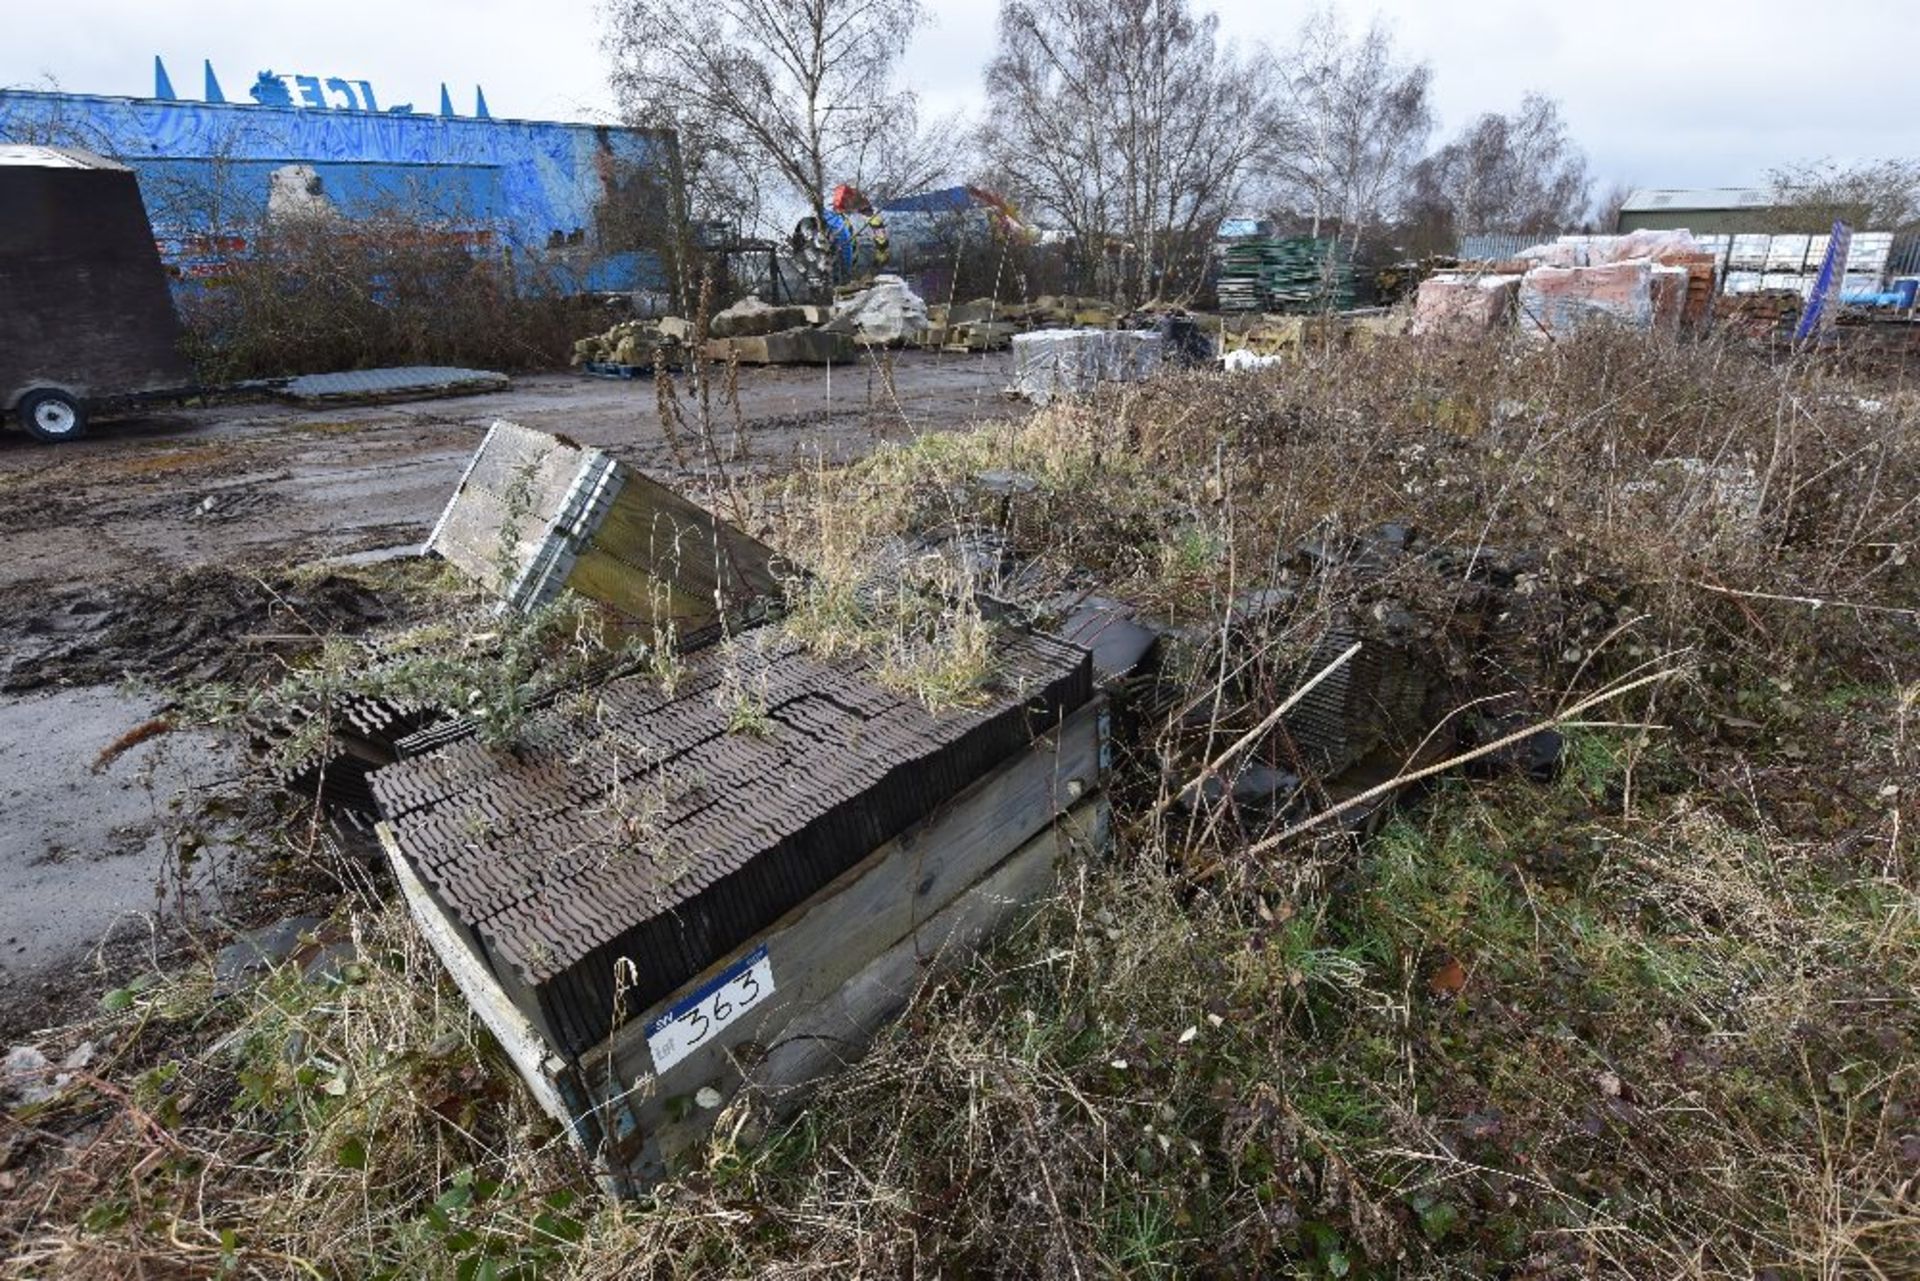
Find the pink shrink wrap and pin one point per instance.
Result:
(1669, 298)
(1460, 306)
(1555, 302)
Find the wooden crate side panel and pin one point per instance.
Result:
(635, 593)
(829, 1034)
(526, 1045)
(655, 556)
(821, 943)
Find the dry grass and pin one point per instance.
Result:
(1654, 1019)
(386, 290)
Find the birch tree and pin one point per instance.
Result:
(1130, 125)
(774, 100)
(1353, 121)
(1516, 173)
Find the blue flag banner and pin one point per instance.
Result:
(1826, 286)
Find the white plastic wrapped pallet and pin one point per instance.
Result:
(1065, 362)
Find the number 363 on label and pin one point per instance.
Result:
(694, 1020)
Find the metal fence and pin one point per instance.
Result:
(1904, 258)
(1498, 244)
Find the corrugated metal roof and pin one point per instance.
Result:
(1652, 199)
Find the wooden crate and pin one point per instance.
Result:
(803, 996)
(535, 514)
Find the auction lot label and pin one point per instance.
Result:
(695, 1020)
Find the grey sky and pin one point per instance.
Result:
(1659, 93)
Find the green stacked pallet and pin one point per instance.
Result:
(1291, 274)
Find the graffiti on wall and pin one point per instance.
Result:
(214, 172)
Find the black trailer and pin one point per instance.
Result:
(86, 317)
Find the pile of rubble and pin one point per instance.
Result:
(985, 324)
(753, 332)
(1271, 339)
(636, 343)
(739, 902)
(884, 312)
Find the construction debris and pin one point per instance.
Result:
(635, 344)
(751, 318)
(884, 313)
(667, 866)
(1254, 343)
(1370, 697)
(803, 346)
(985, 324)
(405, 382)
(588, 851)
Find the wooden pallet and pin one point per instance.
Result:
(803, 996)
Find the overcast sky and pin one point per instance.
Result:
(1659, 93)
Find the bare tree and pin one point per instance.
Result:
(1129, 124)
(1353, 120)
(1517, 173)
(912, 157)
(1606, 209)
(1879, 195)
(774, 100)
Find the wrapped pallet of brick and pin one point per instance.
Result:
(1462, 306)
(1652, 246)
(1066, 362)
(1555, 302)
(1669, 298)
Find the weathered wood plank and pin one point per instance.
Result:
(817, 945)
(827, 1035)
(530, 1051)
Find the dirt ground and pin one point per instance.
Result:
(118, 580)
(266, 484)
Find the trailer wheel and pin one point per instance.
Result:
(53, 416)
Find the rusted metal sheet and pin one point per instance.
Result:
(398, 382)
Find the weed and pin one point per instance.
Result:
(1652, 1019)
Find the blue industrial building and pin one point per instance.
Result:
(558, 201)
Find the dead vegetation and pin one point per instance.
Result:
(1653, 1018)
(393, 289)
